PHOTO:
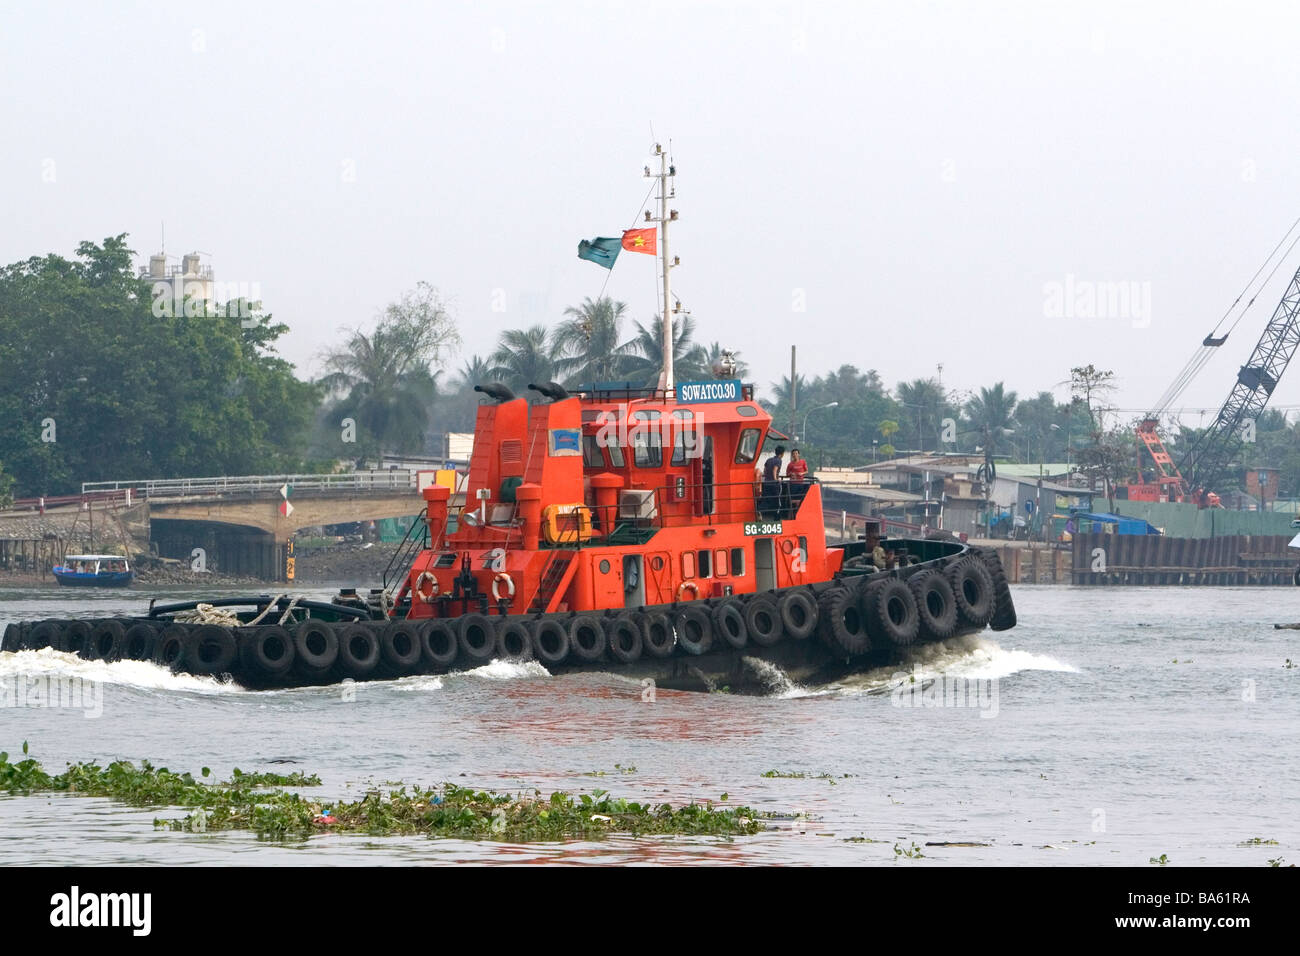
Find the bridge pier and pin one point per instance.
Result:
(235, 550)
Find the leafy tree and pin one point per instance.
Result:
(384, 379)
(989, 416)
(101, 387)
(643, 360)
(524, 357)
(589, 343)
(925, 406)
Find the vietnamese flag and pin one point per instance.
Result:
(640, 240)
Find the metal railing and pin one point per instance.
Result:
(413, 542)
(677, 506)
(393, 480)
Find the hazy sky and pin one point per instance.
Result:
(935, 182)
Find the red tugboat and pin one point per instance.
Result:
(620, 528)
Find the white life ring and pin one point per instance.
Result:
(496, 585)
(695, 589)
(419, 587)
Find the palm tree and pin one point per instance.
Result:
(645, 353)
(989, 414)
(524, 357)
(588, 346)
(925, 406)
(782, 392)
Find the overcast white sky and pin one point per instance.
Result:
(919, 173)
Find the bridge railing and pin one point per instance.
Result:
(393, 480)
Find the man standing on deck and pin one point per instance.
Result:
(771, 503)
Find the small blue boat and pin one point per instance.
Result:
(94, 571)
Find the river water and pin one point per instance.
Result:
(1111, 726)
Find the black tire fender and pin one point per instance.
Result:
(210, 649)
(972, 589)
(1004, 613)
(844, 622)
(75, 635)
(265, 651)
(763, 621)
(550, 641)
(624, 638)
(514, 642)
(438, 645)
(657, 635)
(105, 642)
(45, 634)
(315, 649)
(694, 630)
(138, 642)
(399, 648)
(586, 637)
(358, 651)
(729, 623)
(477, 637)
(798, 613)
(169, 649)
(890, 614)
(936, 605)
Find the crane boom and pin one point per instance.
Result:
(1205, 462)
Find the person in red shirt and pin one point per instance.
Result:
(797, 470)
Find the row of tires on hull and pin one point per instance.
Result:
(852, 615)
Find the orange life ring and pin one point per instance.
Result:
(419, 587)
(496, 585)
(695, 589)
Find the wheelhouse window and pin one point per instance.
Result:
(592, 456)
(738, 562)
(647, 440)
(688, 564)
(705, 570)
(747, 447)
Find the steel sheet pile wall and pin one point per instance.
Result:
(1239, 559)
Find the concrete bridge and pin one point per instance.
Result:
(236, 520)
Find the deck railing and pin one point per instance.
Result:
(392, 480)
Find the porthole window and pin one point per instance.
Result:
(604, 566)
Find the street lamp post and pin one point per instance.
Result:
(803, 436)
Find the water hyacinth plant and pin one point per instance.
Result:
(255, 802)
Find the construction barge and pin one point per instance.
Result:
(620, 528)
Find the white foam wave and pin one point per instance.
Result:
(141, 674)
(778, 682)
(971, 657)
(508, 670)
(418, 684)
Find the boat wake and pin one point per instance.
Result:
(143, 675)
(973, 657)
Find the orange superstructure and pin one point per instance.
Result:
(618, 498)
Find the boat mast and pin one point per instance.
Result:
(666, 171)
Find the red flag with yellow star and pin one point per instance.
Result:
(641, 240)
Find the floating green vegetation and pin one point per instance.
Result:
(912, 853)
(861, 839)
(1257, 841)
(1290, 664)
(1160, 860)
(244, 803)
(800, 775)
(618, 768)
